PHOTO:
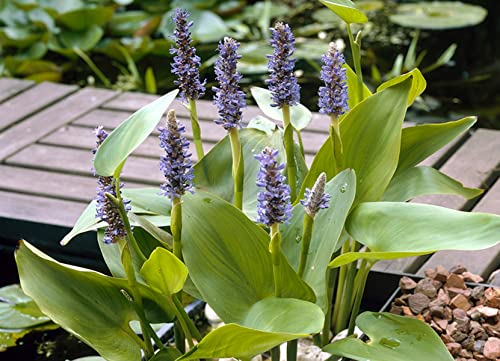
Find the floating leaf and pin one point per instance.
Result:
(17, 310)
(85, 17)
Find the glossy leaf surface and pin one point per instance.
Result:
(346, 10)
(392, 338)
(164, 272)
(268, 323)
(228, 258)
(418, 84)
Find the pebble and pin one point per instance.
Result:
(406, 283)
(418, 302)
(492, 348)
(460, 301)
(487, 312)
(455, 281)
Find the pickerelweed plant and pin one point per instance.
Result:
(279, 250)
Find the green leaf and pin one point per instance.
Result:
(371, 135)
(300, 116)
(122, 141)
(84, 18)
(86, 303)
(126, 23)
(86, 222)
(84, 40)
(372, 257)
(346, 10)
(213, 172)
(229, 254)
(392, 338)
(159, 234)
(421, 141)
(418, 84)
(352, 88)
(166, 354)
(208, 27)
(410, 229)
(164, 272)
(268, 323)
(328, 225)
(147, 199)
(438, 15)
(17, 310)
(418, 181)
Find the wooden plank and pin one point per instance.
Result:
(46, 121)
(32, 100)
(11, 86)
(79, 162)
(34, 209)
(473, 164)
(481, 262)
(50, 184)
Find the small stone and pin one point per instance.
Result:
(471, 277)
(400, 302)
(492, 348)
(441, 323)
(407, 284)
(436, 311)
(479, 346)
(418, 302)
(441, 274)
(212, 317)
(443, 297)
(455, 281)
(446, 338)
(454, 348)
(453, 291)
(430, 273)
(468, 343)
(475, 315)
(460, 301)
(459, 269)
(459, 314)
(426, 287)
(465, 354)
(397, 310)
(492, 330)
(407, 311)
(477, 293)
(492, 296)
(487, 312)
(479, 357)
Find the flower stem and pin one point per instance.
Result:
(195, 125)
(289, 149)
(176, 226)
(306, 242)
(238, 167)
(356, 58)
(275, 248)
(364, 270)
(340, 291)
(291, 350)
(178, 309)
(331, 278)
(301, 143)
(275, 353)
(338, 149)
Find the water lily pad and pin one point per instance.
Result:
(17, 310)
(439, 15)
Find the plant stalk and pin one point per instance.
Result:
(364, 270)
(195, 125)
(306, 242)
(340, 292)
(238, 167)
(275, 248)
(291, 350)
(275, 353)
(356, 58)
(338, 148)
(289, 149)
(331, 279)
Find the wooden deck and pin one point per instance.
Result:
(45, 159)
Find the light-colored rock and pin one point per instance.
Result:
(492, 348)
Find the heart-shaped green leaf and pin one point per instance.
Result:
(85, 17)
(300, 116)
(328, 225)
(164, 272)
(84, 40)
(418, 181)
(268, 323)
(346, 10)
(86, 303)
(421, 141)
(418, 84)
(392, 338)
(122, 141)
(226, 253)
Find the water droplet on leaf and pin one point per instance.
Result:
(390, 342)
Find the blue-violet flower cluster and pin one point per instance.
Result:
(333, 96)
(316, 198)
(228, 98)
(186, 62)
(176, 164)
(282, 82)
(106, 211)
(274, 201)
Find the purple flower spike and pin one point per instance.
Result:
(186, 62)
(176, 165)
(228, 98)
(274, 201)
(282, 82)
(316, 198)
(105, 210)
(333, 96)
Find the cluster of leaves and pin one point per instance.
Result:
(226, 254)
